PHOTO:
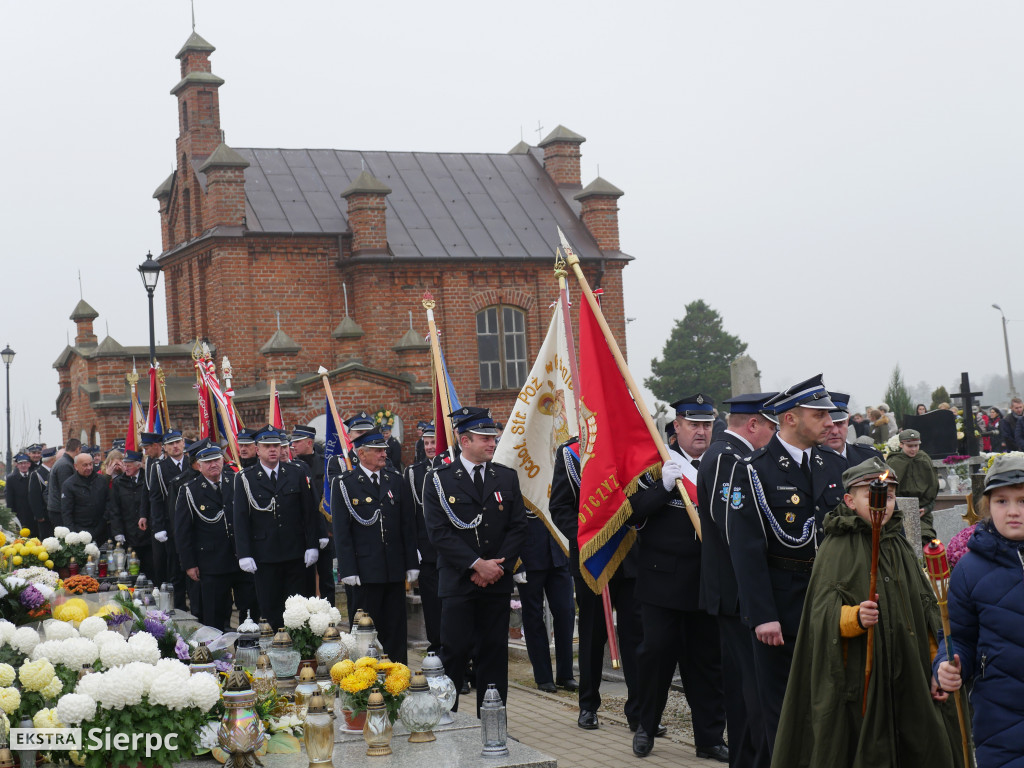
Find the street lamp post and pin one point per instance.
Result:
(1006, 345)
(8, 357)
(150, 272)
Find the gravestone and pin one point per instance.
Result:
(938, 432)
(966, 397)
(746, 379)
(949, 522)
(910, 508)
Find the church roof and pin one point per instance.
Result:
(442, 205)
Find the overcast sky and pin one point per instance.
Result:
(841, 181)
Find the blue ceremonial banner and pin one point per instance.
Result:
(332, 447)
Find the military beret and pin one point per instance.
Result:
(910, 435)
(867, 471)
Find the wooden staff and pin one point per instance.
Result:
(937, 567)
(439, 374)
(878, 500)
(342, 435)
(574, 261)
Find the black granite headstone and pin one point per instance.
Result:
(938, 432)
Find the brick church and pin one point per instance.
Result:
(343, 243)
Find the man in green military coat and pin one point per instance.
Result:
(918, 478)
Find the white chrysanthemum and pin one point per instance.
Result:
(120, 688)
(85, 537)
(92, 626)
(106, 636)
(25, 639)
(204, 691)
(296, 616)
(115, 653)
(6, 631)
(51, 544)
(78, 651)
(58, 630)
(295, 600)
(3, 590)
(10, 700)
(348, 643)
(334, 614)
(144, 672)
(35, 675)
(46, 718)
(92, 549)
(169, 690)
(317, 605)
(318, 623)
(73, 708)
(7, 675)
(61, 532)
(53, 689)
(37, 575)
(72, 538)
(90, 685)
(46, 591)
(49, 649)
(208, 738)
(174, 668)
(144, 648)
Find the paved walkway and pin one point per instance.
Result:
(548, 723)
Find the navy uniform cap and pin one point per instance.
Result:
(151, 438)
(428, 428)
(751, 403)
(22, 457)
(172, 437)
(810, 393)
(372, 439)
(193, 449)
(245, 437)
(133, 455)
(49, 452)
(696, 407)
(118, 442)
(423, 424)
(209, 453)
(478, 421)
(361, 420)
(34, 448)
(268, 436)
(842, 409)
(302, 432)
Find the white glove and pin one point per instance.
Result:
(519, 578)
(324, 543)
(119, 538)
(412, 575)
(160, 536)
(419, 556)
(312, 556)
(671, 471)
(247, 564)
(352, 581)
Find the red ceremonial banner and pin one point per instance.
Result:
(616, 448)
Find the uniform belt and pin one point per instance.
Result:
(789, 564)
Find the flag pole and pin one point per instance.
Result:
(442, 384)
(334, 413)
(570, 343)
(574, 261)
(270, 408)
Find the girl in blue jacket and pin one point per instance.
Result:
(986, 613)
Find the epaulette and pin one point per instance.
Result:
(498, 465)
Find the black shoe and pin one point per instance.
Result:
(587, 720)
(719, 752)
(661, 730)
(642, 743)
(546, 687)
(568, 684)
(465, 689)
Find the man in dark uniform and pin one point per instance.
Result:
(161, 509)
(747, 431)
(35, 455)
(355, 426)
(421, 427)
(16, 491)
(852, 453)
(275, 526)
(38, 486)
(394, 448)
(564, 507)
(152, 450)
(676, 631)
(477, 522)
(174, 486)
(777, 502)
(303, 437)
(415, 474)
(375, 530)
(246, 440)
(83, 499)
(123, 500)
(61, 471)
(204, 530)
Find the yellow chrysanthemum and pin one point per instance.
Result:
(7, 675)
(36, 675)
(75, 609)
(10, 700)
(356, 682)
(367, 661)
(46, 718)
(341, 670)
(16, 559)
(52, 691)
(49, 564)
(25, 532)
(3, 539)
(385, 666)
(394, 684)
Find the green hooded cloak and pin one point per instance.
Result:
(821, 722)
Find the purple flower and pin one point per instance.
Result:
(117, 619)
(31, 597)
(222, 665)
(157, 616)
(181, 649)
(154, 627)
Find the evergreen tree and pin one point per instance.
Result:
(696, 357)
(939, 396)
(897, 397)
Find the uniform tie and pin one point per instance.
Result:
(376, 481)
(478, 478)
(273, 476)
(805, 467)
(695, 463)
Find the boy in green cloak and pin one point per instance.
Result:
(907, 722)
